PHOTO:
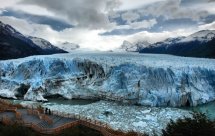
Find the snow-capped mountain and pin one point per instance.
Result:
(127, 46)
(7, 30)
(136, 47)
(69, 47)
(45, 45)
(199, 44)
(15, 45)
(201, 36)
(167, 42)
(141, 44)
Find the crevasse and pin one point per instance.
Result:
(152, 80)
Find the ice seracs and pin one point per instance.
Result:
(152, 80)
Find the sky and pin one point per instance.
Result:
(105, 24)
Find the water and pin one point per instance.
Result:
(70, 102)
(208, 109)
(57, 101)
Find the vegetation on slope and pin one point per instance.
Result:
(16, 130)
(199, 125)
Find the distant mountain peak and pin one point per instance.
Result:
(126, 44)
(141, 44)
(67, 46)
(15, 45)
(1, 23)
(9, 30)
(45, 45)
(133, 47)
(202, 36)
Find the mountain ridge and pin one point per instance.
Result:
(200, 44)
(133, 47)
(15, 45)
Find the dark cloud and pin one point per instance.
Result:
(162, 25)
(55, 24)
(122, 32)
(112, 4)
(170, 15)
(83, 13)
(209, 19)
(191, 2)
(130, 16)
(96, 14)
(188, 3)
(174, 9)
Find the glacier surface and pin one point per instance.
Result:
(144, 79)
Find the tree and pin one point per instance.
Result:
(199, 125)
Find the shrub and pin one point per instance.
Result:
(16, 130)
(199, 125)
(80, 131)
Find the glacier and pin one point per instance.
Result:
(143, 79)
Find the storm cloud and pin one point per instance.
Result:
(174, 9)
(105, 24)
(92, 14)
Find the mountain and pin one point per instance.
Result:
(15, 45)
(67, 46)
(127, 46)
(199, 44)
(141, 44)
(46, 45)
(130, 47)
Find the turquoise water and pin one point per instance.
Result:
(71, 102)
(208, 109)
(59, 101)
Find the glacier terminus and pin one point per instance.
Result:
(143, 79)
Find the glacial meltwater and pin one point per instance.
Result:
(53, 101)
(208, 109)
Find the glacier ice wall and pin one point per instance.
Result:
(152, 80)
